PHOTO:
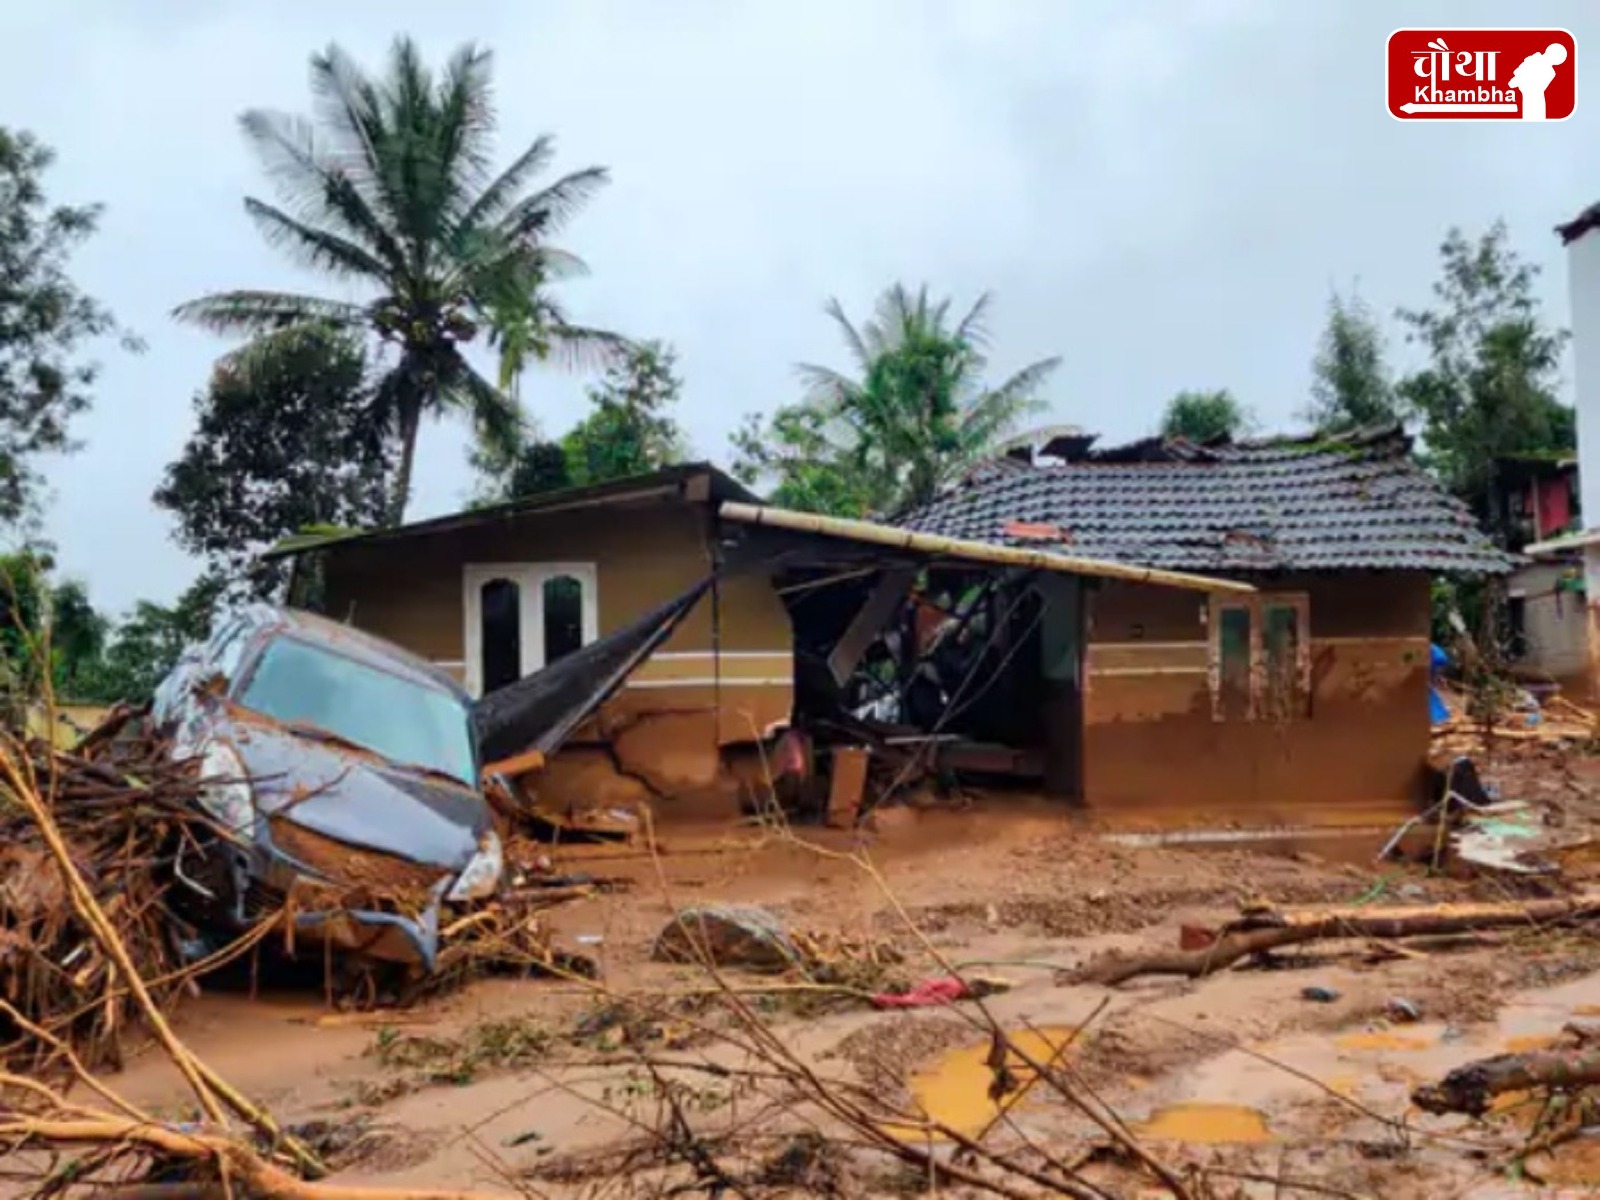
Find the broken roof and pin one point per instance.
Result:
(697, 482)
(1354, 500)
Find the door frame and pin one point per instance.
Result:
(530, 578)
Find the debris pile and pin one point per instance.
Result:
(125, 811)
(1554, 721)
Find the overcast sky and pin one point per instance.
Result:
(1161, 193)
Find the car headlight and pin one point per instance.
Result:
(224, 789)
(480, 877)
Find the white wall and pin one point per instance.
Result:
(1583, 267)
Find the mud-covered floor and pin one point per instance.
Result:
(1238, 1072)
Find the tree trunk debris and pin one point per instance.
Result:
(1258, 933)
(1471, 1089)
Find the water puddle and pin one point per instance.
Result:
(1207, 1124)
(954, 1089)
(1383, 1039)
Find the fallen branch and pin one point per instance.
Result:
(241, 1171)
(1471, 1089)
(1256, 935)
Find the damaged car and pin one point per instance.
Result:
(343, 775)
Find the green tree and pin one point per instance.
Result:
(78, 639)
(1350, 381)
(628, 431)
(1204, 416)
(24, 606)
(45, 320)
(390, 189)
(917, 415)
(1489, 388)
(281, 444)
(146, 643)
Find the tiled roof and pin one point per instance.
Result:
(1351, 501)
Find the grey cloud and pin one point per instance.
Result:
(1161, 193)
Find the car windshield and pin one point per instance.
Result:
(407, 722)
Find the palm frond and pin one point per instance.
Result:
(974, 327)
(826, 386)
(547, 210)
(1026, 382)
(314, 247)
(581, 348)
(261, 312)
(853, 340)
(316, 187)
(350, 110)
(497, 419)
(999, 410)
(500, 194)
(464, 126)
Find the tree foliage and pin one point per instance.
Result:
(913, 417)
(147, 642)
(1204, 416)
(389, 188)
(1489, 387)
(51, 634)
(282, 443)
(1350, 381)
(628, 431)
(45, 320)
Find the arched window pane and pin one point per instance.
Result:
(500, 601)
(563, 617)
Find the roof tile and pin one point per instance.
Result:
(1358, 501)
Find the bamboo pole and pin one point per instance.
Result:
(982, 552)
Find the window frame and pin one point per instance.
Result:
(1258, 703)
(530, 578)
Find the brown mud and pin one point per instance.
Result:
(1236, 1073)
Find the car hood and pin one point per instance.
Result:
(360, 798)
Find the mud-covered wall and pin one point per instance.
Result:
(1154, 749)
(411, 591)
(1555, 625)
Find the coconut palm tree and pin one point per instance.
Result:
(920, 413)
(389, 188)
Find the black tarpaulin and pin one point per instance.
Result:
(540, 711)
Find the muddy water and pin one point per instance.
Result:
(955, 1089)
(1207, 1124)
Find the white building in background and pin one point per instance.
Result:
(1581, 237)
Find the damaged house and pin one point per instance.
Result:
(1306, 701)
(1163, 632)
(661, 631)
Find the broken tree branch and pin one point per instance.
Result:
(1471, 1089)
(1249, 937)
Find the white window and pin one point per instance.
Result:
(521, 617)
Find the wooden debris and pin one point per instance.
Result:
(1259, 933)
(1471, 1089)
(118, 811)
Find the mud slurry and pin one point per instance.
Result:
(1181, 1062)
(970, 1088)
(1203, 1124)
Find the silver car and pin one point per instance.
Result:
(347, 771)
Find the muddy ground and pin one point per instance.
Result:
(525, 1083)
